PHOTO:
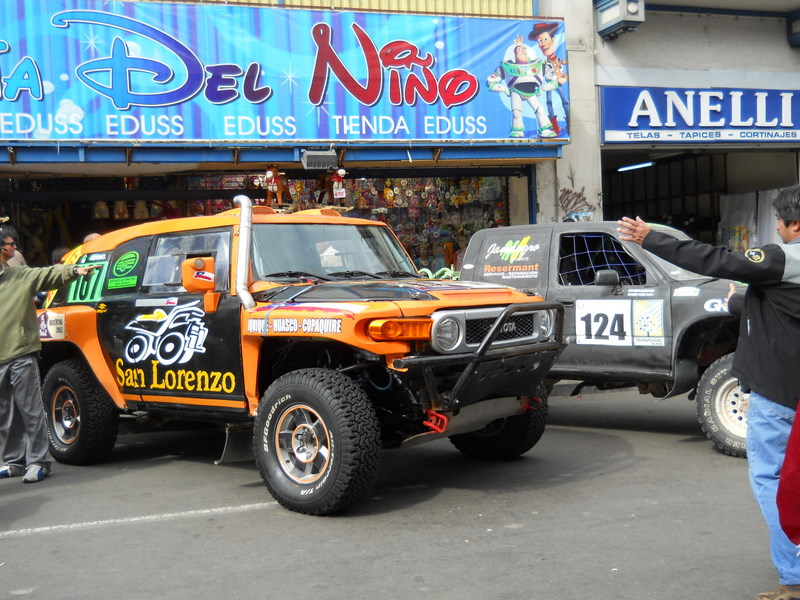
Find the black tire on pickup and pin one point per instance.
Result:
(507, 438)
(722, 408)
(316, 441)
(82, 421)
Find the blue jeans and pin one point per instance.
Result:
(768, 427)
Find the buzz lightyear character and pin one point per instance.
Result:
(524, 81)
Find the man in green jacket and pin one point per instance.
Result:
(22, 423)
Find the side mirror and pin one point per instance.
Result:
(197, 274)
(606, 277)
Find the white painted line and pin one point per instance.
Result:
(189, 514)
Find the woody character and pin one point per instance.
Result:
(555, 69)
(524, 81)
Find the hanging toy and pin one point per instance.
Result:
(140, 212)
(275, 184)
(100, 210)
(121, 210)
(335, 187)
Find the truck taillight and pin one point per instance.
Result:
(400, 329)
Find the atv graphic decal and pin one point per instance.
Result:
(172, 337)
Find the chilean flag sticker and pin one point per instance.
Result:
(204, 275)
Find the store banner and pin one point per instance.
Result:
(109, 70)
(649, 115)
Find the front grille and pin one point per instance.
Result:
(518, 326)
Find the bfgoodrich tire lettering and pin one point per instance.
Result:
(722, 408)
(82, 421)
(508, 438)
(316, 441)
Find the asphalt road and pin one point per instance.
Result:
(623, 498)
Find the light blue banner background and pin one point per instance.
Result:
(78, 70)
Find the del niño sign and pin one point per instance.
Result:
(684, 115)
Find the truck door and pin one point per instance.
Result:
(164, 344)
(625, 329)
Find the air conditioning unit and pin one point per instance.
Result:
(319, 159)
(615, 17)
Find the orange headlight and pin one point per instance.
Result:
(400, 329)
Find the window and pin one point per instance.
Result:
(163, 271)
(580, 256)
(126, 267)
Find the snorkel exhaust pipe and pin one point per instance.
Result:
(243, 256)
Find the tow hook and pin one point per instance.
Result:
(436, 421)
(531, 403)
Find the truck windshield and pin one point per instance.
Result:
(325, 249)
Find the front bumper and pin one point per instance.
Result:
(489, 372)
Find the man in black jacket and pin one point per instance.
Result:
(767, 358)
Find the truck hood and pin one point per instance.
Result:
(396, 290)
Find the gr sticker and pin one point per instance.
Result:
(715, 305)
(755, 255)
(619, 322)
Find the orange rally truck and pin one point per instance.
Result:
(310, 334)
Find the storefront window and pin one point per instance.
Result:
(432, 216)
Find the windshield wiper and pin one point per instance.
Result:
(712, 280)
(348, 274)
(297, 274)
(398, 273)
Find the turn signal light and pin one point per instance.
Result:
(400, 329)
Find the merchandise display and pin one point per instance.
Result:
(428, 214)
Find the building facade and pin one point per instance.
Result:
(114, 112)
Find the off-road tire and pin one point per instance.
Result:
(722, 408)
(82, 421)
(327, 455)
(507, 438)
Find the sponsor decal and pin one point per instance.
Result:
(512, 251)
(156, 302)
(125, 264)
(163, 338)
(639, 293)
(173, 337)
(648, 323)
(686, 292)
(51, 326)
(184, 380)
(526, 270)
(203, 275)
(716, 305)
(257, 326)
(311, 325)
(117, 283)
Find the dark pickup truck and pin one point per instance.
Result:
(631, 318)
